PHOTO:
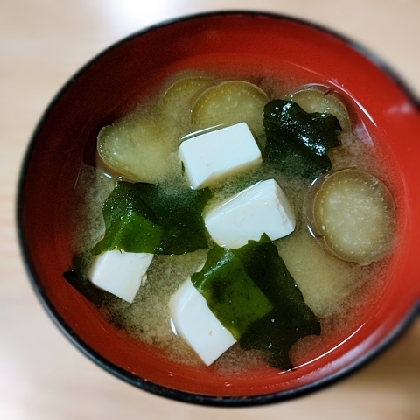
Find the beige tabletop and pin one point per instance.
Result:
(42, 376)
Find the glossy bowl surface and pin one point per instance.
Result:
(258, 44)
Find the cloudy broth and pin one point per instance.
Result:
(338, 292)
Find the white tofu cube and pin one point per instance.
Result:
(120, 273)
(213, 155)
(196, 323)
(261, 208)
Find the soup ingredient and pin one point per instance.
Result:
(175, 105)
(120, 273)
(325, 280)
(353, 213)
(324, 101)
(261, 208)
(230, 292)
(290, 320)
(254, 296)
(77, 277)
(228, 103)
(298, 141)
(138, 148)
(213, 155)
(147, 218)
(197, 325)
(130, 224)
(142, 146)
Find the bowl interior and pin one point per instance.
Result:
(234, 43)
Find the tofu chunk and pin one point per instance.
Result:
(196, 323)
(261, 208)
(120, 273)
(215, 154)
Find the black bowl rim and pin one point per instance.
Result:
(134, 380)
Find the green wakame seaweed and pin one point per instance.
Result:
(298, 141)
(290, 320)
(148, 218)
(255, 297)
(232, 296)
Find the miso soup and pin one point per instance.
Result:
(331, 203)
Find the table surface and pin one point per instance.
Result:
(42, 43)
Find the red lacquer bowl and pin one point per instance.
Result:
(261, 45)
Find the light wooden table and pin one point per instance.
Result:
(42, 377)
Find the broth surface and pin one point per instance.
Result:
(337, 291)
